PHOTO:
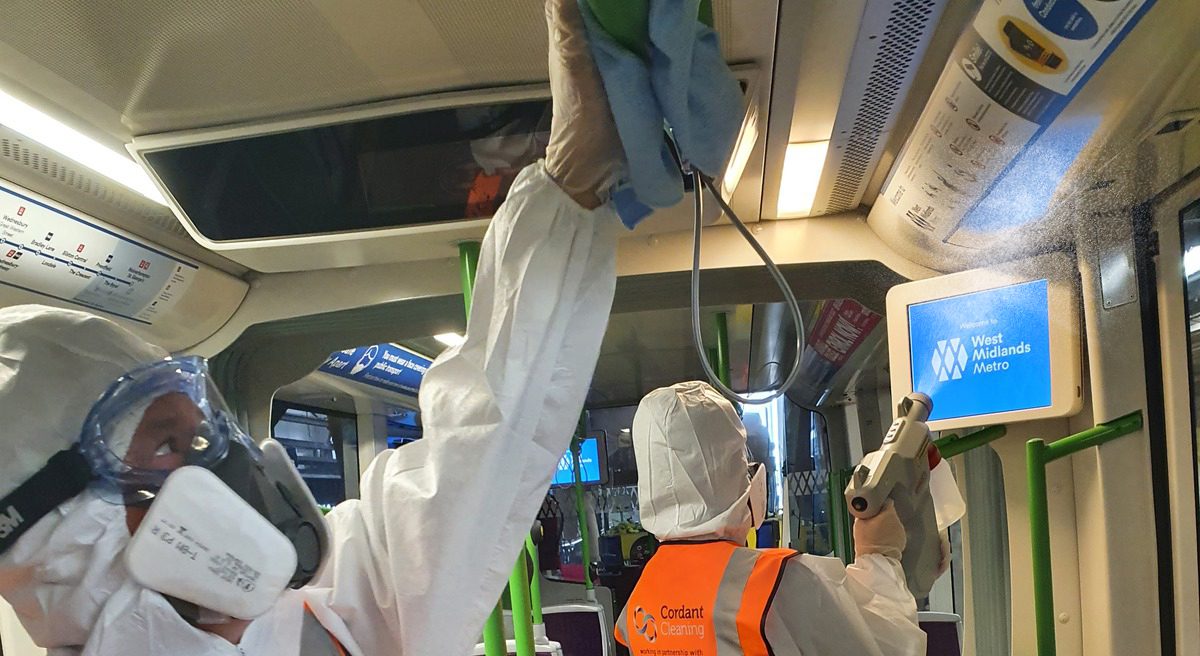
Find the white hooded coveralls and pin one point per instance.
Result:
(419, 561)
(690, 447)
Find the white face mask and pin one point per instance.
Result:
(758, 495)
(202, 543)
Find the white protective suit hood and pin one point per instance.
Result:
(690, 447)
(54, 365)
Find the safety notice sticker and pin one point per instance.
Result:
(54, 253)
(1010, 75)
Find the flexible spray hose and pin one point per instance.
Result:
(700, 182)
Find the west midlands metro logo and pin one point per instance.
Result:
(643, 623)
(950, 359)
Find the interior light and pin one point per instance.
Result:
(1191, 261)
(450, 339)
(69, 142)
(802, 165)
(742, 149)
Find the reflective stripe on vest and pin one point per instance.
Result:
(703, 599)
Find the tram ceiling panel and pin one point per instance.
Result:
(1108, 134)
(843, 71)
(151, 66)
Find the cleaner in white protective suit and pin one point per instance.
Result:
(704, 593)
(137, 518)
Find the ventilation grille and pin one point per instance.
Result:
(60, 174)
(896, 57)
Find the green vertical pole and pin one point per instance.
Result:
(841, 530)
(493, 630)
(831, 490)
(535, 585)
(1039, 538)
(581, 512)
(468, 259)
(493, 633)
(518, 594)
(722, 361)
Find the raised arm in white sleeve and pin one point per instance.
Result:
(421, 559)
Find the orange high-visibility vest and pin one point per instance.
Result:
(703, 599)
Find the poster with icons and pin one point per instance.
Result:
(58, 254)
(1011, 74)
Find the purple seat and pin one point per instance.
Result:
(942, 631)
(581, 629)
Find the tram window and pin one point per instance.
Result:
(1190, 229)
(403, 427)
(808, 481)
(315, 440)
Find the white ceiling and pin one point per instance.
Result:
(138, 67)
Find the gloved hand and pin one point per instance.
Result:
(882, 534)
(584, 155)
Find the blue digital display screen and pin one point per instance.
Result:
(589, 465)
(984, 352)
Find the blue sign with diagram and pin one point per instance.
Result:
(385, 366)
(983, 353)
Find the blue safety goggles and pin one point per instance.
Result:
(153, 420)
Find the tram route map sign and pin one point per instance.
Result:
(51, 252)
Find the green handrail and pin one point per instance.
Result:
(1038, 455)
(953, 445)
(468, 259)
(581, 511)
(518, 595)
(628, 21)
(841, 532)
(721, 362)
(494, 643)
(535, 581)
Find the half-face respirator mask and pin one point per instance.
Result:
(229, 524)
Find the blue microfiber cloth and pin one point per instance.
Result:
(680, 82)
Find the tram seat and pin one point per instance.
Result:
(943, 632)
(582, 629)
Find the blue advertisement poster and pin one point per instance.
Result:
(385, 366)
(984, 352)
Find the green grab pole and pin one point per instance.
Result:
(493, 633)
(628, 21)
(1038, 454)
(830, 485)
(1094, 436)
(468, 259)
(841, 533)
(518, 594)
(535, 583)
(1039, 539)
(953, 445)
(494, 643)
(722, 362)
(581, 512)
